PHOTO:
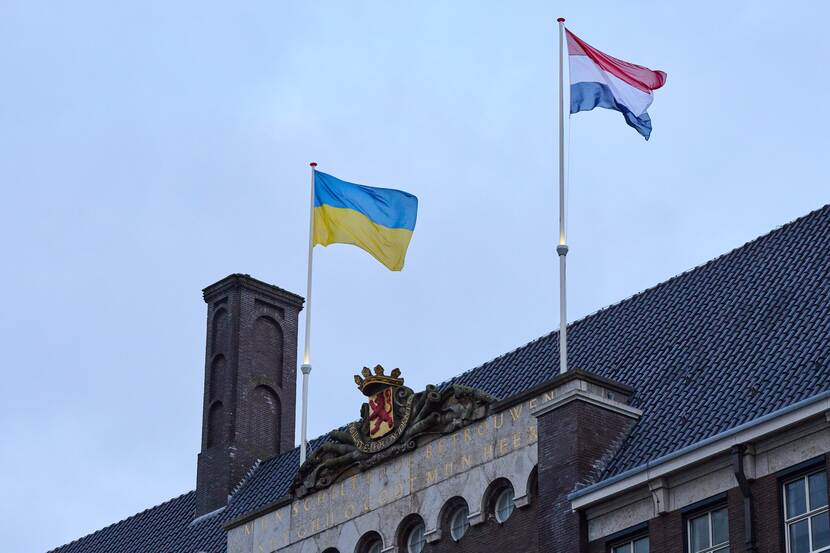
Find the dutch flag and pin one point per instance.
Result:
(599, 80)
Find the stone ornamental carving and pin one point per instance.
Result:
(392, 421)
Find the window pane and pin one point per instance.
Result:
(375, 547)
(818, 490)
(459, 523)
(641, 546)
(415, 543)
(504, 505)
(699, 533)
(799, 537)
(796, 500)
(720, 527)
(821, 530)
(623, 548)
(722, 550)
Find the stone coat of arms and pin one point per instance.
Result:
(393, 420)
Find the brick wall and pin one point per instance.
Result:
(250, 382)
(517, 535)
(667, 532)
(735, 504)
(768, 515)
(574, 440)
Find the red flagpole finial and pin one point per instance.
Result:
(313, 164)
(561, 20)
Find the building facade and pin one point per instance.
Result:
(697, 420)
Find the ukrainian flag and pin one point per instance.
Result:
(379, 220)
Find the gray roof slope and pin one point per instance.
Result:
(165, 528)
(170, 526)
(727, 342)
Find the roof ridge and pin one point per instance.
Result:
(247, 476)
(263, 462)
(162, 504)
(772, 249)
(279, 462)
(685, 273)
(645, 291)
(600, 311)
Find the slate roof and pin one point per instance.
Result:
(725, 343)
(165, 528)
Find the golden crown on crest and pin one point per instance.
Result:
(370, 383)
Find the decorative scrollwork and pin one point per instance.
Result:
(419, 418)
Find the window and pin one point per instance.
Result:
(369, 543)
(459, 523)
(640, 545)
(806, 520)
(709, 533)
(415, 538)
(504, 505)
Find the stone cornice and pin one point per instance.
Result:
(582, 395)
(708, 448)
(238, 280)
(558, 381)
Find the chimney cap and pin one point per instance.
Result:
(242, 280)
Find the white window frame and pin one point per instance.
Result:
(790, 521)
(631, 542)
(511, 503)
(410, 534)
(708, 515)
(459, 511)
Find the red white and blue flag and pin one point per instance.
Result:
(599, 80)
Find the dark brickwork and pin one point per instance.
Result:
(574, 441)
(769, 511)
(768, 515)
(667, 532)
(737, 537)
(250, 381)
(776, 319)
(517, 535)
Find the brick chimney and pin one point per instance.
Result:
(250, 376)
(579, 428)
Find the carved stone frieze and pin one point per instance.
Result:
(387, 428)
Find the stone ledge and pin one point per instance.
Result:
(581, 395)
(239, 280)
(432, 536)
(584, 377)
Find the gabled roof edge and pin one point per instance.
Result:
(639, 470)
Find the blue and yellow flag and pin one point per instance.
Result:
(379, 220)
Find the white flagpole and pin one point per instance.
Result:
(306, 366)
(562, 248)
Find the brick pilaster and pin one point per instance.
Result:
(579, 428)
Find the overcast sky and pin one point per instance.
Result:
(148, 149)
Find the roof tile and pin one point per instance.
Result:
(722, 344)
